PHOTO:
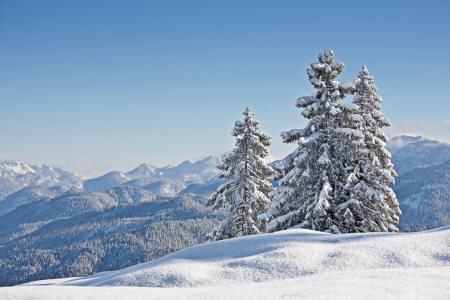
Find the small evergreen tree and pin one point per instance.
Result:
(310, 177)
(367, 201)
(246, 194)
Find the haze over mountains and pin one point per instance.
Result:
(54, 223)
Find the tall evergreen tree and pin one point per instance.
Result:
(367, 202)
(246, 194)
(310, 177)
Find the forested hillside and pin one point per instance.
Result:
(423, 184)
(120, 235)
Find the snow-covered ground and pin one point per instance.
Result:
(292, 264)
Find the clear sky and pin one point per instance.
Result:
(95, 86)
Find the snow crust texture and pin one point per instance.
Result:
(424, 283)
(289, 254)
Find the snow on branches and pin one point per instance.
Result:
(337, 179)
(370, 204)
(247, 193)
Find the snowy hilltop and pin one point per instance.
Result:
(291, 264)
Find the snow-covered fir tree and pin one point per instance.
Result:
(367, 203)
(246, 194)
(310, 178)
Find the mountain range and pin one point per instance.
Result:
(16, 175)
(70, 226)
(21, 183)
(54, 223)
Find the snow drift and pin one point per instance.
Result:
(288, 254)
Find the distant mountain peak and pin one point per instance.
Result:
(184, 163)
(143, 169)
(15, 166)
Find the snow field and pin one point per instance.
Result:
(283, 255)
(290, 264)
(423, 283)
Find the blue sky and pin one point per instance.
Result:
(95, 86)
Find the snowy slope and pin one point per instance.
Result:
(423, 185)
(282, 255)
(292, 264)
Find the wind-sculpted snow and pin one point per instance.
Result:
(283, 255)
(423, 283)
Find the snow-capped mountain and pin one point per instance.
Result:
(15, 175)
(206, 168)
(57, 172)
(172, 179)
(143, 170)
(104, 182)
(15, 167)
(166, 181)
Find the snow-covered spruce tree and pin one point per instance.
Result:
(367, 203)
(310, 178)
(246, 194)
